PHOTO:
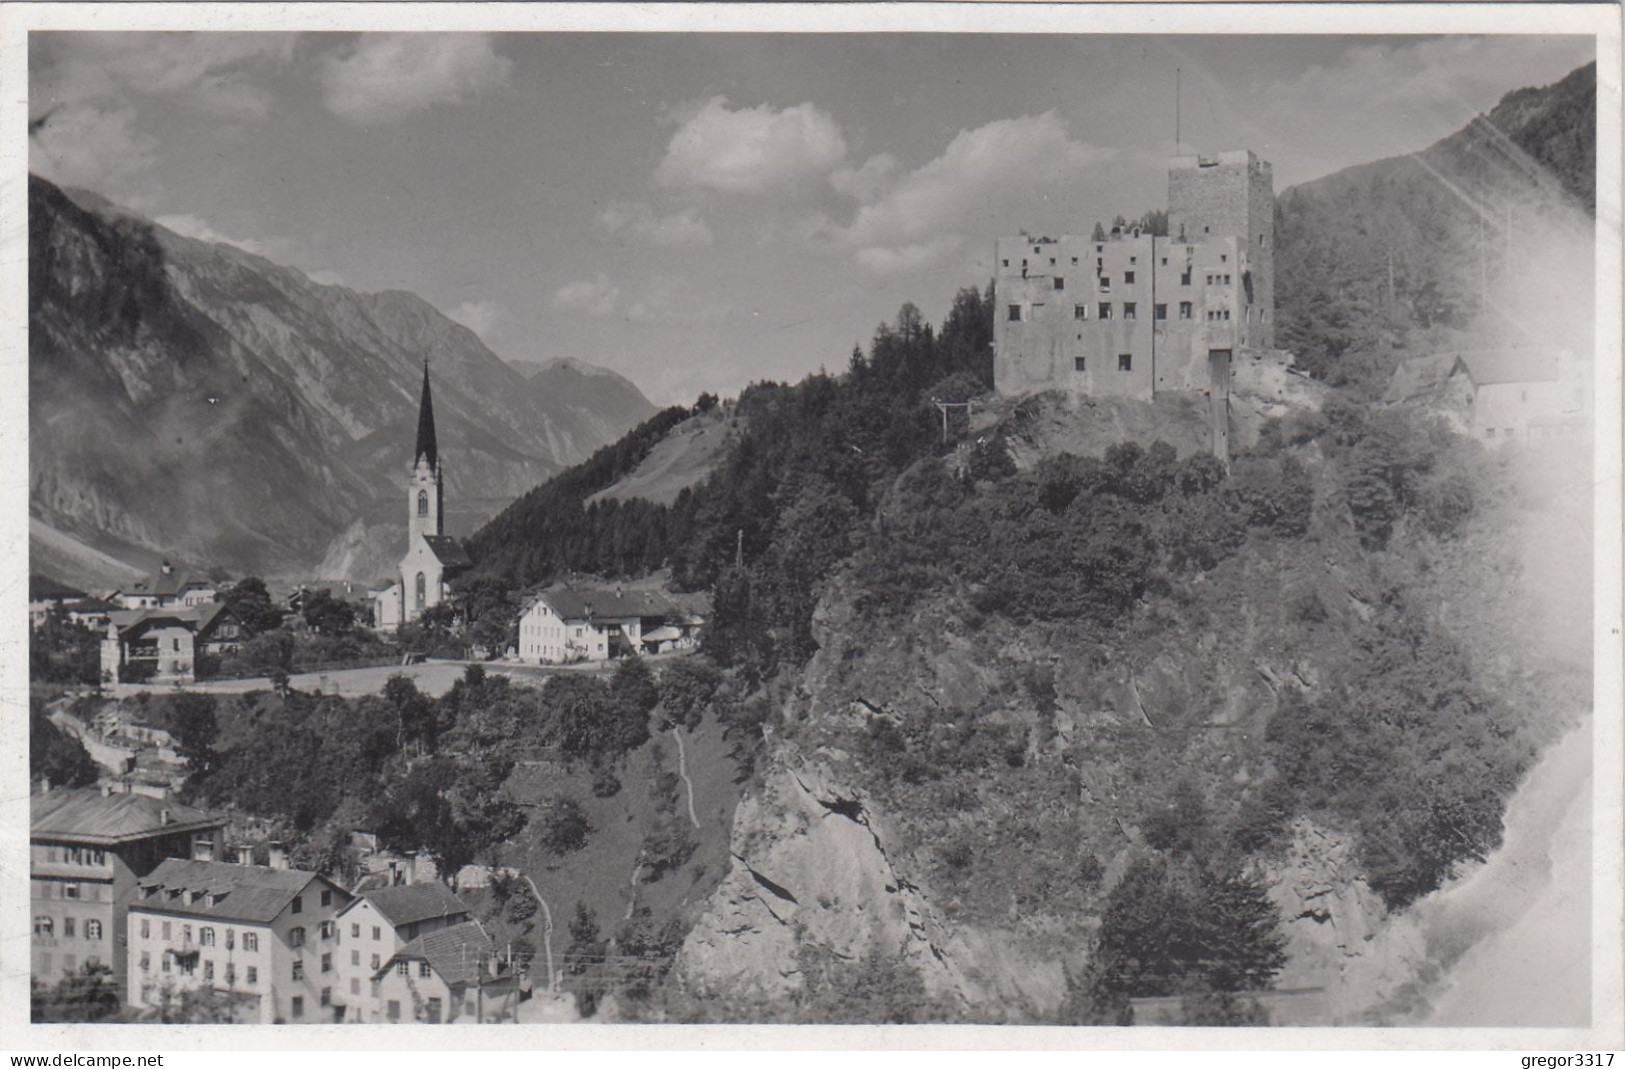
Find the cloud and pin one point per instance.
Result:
(921, 218)
(597, 296)
(193, 226)
(94, 147)
(881, 260)
(639, 219)
(384, 77)
(479, 316)
(212, 71)
(751, 150)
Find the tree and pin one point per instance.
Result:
(687, 688)
(251, 602)
(565, 828)
(1099, 232)
(54, 754)
(327, 615)
(191, 721)
(414, 713)
(88, 995)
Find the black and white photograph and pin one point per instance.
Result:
(1103, 520)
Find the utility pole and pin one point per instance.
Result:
(739, 549)
(1177, 87)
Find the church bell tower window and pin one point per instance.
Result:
(423, 502)
(422, 587)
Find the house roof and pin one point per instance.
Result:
(448, 551)
(409, 903)
(198, 618)
(170, 584)
(254, 893)
(454, 953)
(89, 817)
(1495, 366)
(581, 603)
(665, 633)
(1419, 377)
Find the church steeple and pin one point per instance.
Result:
(426, 445)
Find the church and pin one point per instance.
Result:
(432, 557)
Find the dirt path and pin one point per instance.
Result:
(682, 770)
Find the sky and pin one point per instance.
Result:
(699, 211)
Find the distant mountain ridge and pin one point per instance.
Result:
(207, 404)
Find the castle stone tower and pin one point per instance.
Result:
(1232, 195)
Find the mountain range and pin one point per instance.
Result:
(193, 401)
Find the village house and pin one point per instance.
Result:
(161, 645)
(87, 850)
(379, 922)
(452, 975)
(569, 624)
(1526, 395)
(168, 589)
(263, 937)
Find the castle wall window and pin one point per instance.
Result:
(1080, 363)
(1160, 312)
(1105, 310)
(1105, 283)
(423, 502)
(1224, 257)
(1185, 277)
(1128, 278)
(1125, 362)
(1074, 261)
(1060, 283)
(1080, 311)
(1130, 310)
(1015, 313)
(1006, 263)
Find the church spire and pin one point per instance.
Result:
(426, 445)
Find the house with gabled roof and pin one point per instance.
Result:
(88, 848)
(264, 938)
(377, 923)
(1526, 395)
(450, 976)
(162, 644)
(580, 623)
(168, 588)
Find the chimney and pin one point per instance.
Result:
(278, 854)
(107, 789)
(245, 853)
(165, 816)
(45, 784)
(167, 568)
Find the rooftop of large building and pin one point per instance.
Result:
(221, 890)
(600, 603)
(89, 817)
(192, 617)
(454, 953)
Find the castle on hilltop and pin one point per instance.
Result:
(1132, 314)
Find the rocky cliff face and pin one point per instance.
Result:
(210, 405)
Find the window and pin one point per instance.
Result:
(205, 936)
(93, 929)
(327, 963)
(423, 502)
(1100, 248)
(376, 962)
(253, 975)
(231, 938)
(394, 1009)
(1160, 312)
(1052, 261)
(1184, 309)
(298, 968)
(208, 970)
(1014, 315)
(1125, 362)
(1074, 261)
(146, 928)
(298, 904)
(355, 985)
(231, 973)
(70, 891)
(163, 931)
(296, 937)
(1128, 278)
(146, 961)
(1060, 283)
(1224, 257)
(432, 1008)
(403, 968)
(1227, 280)
(1185, 277)
(355, 958)
(1209, 280)
(1165, 261)
(1261, 241)
(251, 941)
(424, 971)
(327, 897)
(1130, 310)
(355, 931)
(1105, 283)
(329, 930)
(1080, 311)
(67, 927)
(327, 996)
(375, 934)
(1080, 363)
(1489, 432)
(298, 1006)
(1105, 310)
(44, 926)
(1006, 263)
(174, 645)
(165, 964)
